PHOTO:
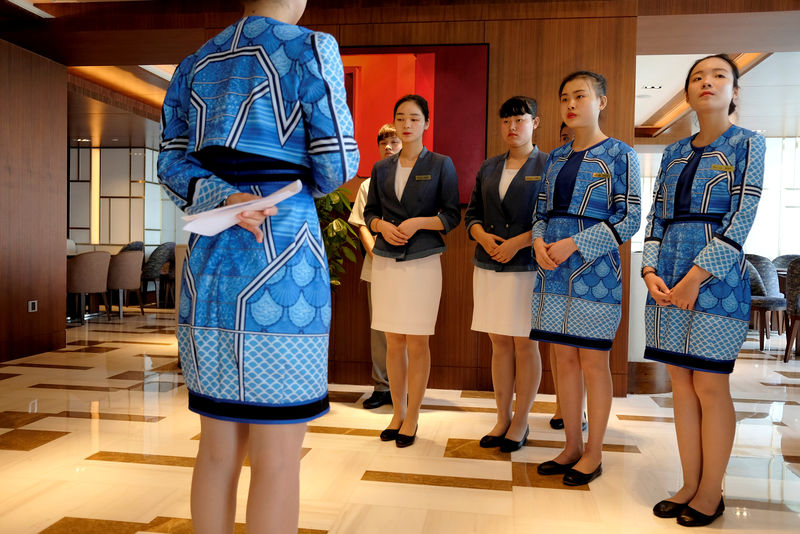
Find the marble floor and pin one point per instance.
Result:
(96, 438)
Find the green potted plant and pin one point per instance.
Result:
(341, 241)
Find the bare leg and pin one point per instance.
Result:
(686, 408)
(223, 445)
(597, 375)
(569, 391)
(397, 367)
(718, 427)
(273, 504)
(554, 371)
(502, 380)
(528, 375)
(419, 368)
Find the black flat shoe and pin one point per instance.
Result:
(574, 477)
(490, 442)
(403, 440)
(509, 445)
(551, 467)
(689, 517)
(377, 399)
(556, 424)
(668, 509)
(390, 434)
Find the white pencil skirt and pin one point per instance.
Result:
(502, 302)
(406, 294)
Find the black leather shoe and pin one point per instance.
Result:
(668, 509)
(403, 440)
(377, 399)
(558, 424)
(490, 442)
(689, 517)
(390, 434)
(551, 467)
(510, 445)
(574, 477)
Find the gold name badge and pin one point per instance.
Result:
(601, 175)
(724, 168)
(532, 178)
(422, 177)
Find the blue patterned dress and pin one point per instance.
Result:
(579, 302)
(259, 105)
(708, 232)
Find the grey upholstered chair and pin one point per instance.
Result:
(793, 308)
(151, 272)
(88, 273)
(124, 274)
(765, 297)
(782, 262)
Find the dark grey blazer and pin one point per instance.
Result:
(431, 191)
(512, 216)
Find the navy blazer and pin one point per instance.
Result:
(512, 216)
(431, 191)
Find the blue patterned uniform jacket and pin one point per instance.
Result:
(579, 302)
(259, 105)
(725, 192)
(509, 217)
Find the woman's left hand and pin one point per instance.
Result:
(506, 250)
(561, 250)
(410, 226)
(684, 294)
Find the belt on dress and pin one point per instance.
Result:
(695, 217)
(560, 213)
(236, 167)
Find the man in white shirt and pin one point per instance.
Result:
(388, 144)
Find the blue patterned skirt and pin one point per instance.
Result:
(578, 303)
(709, 337)
(254, 317)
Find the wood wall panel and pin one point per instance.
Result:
(33, 208)
(525, 57)
(689, 7)
(421, 33)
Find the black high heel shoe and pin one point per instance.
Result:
(390, 434)
(573, 477)
(508, 445)
(668, 509)
(689, 517)
(403, 440)
(490, 442)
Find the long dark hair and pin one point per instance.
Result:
(598, 80)
(418, 100)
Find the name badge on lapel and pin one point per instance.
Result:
(724, 168)
(600, 175)
(532, 178)
(422, 177)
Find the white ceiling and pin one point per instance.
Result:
(666, 72)
(769, 95)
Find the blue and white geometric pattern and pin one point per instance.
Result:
(286, 369)
(264, 88)
(254, 317)
(579, 302)
(711, 335)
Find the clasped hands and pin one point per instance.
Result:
(683, 295)
(251, 220)
(400, 234)
(551, 255)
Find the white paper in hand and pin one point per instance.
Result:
(215, 221)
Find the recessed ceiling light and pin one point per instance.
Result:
(115, 138)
